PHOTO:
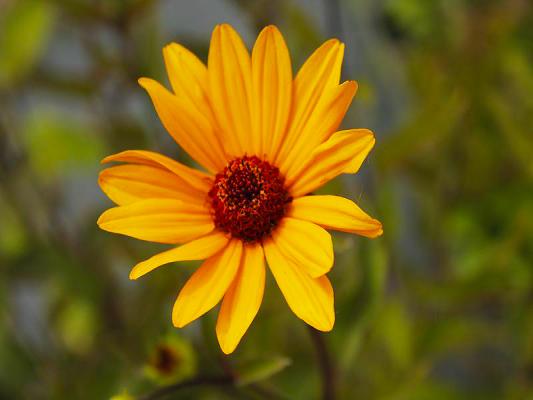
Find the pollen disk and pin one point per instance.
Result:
(248, 198)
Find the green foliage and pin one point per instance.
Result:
(76, 326)
(259, 370)
(58, 143)
(13, 239)
(25, 27)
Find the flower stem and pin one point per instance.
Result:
(198, 381)
(325, 364)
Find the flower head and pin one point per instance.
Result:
(266, 141)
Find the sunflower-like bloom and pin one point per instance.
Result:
(265, 141)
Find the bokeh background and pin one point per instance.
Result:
(440, 307)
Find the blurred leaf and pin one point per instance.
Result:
(431, 390)
(423, 134)
(24, 31)
(58, 143)
(374, 267)
(395, 331)
(412, 15)
(76, 326)
(514, 125)
(13, 240)
(259, 370)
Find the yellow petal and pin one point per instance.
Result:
(126, 184)
(305, 244)
(207, 285)
(344, 152)
(319, 73)
(325, 120)
(188, 77)
(158, 220)
(189, 80)
(230, 88)
(272, 90)
(196, 179)
(198, 249)
(242, 300)
(189, 127)
(311, 299)
(334, 212)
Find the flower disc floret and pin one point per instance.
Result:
(248, 198)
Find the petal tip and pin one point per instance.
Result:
(173, 49)
(134, 273)
(332, 42)
(100, 221)
(368, 137)
(366, 132)
(107, 159)
(271, 29)
(225, 27)
(323, 325)
(352, 84)
(327, 325)
(170, 46)
(177, 322)
(227, 348)
(379, 229)
(178, 318)
(216, 29)
(373, 232)
(146, 84)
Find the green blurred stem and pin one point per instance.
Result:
(227, 381)
(325, 364)
(200, 381)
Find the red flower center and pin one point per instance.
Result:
(249, 198)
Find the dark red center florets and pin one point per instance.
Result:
(248, 198)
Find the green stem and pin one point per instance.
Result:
(198, 381)
(325, 364)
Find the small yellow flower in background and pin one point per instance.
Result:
(266, 141)
(122, 396)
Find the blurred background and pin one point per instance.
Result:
(440, 307)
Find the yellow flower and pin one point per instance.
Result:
(266, 142)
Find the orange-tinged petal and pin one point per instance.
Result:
(196, 179)
(198, 249)
(319, 73)
(126, 184)
(344, 152)
(325, 120)
(207, 285)
(189, 127)
(305, 244)
(230, 87)
(311, 299)
(272, 91)
(242, 300)
(334, 212)
(158, 220)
